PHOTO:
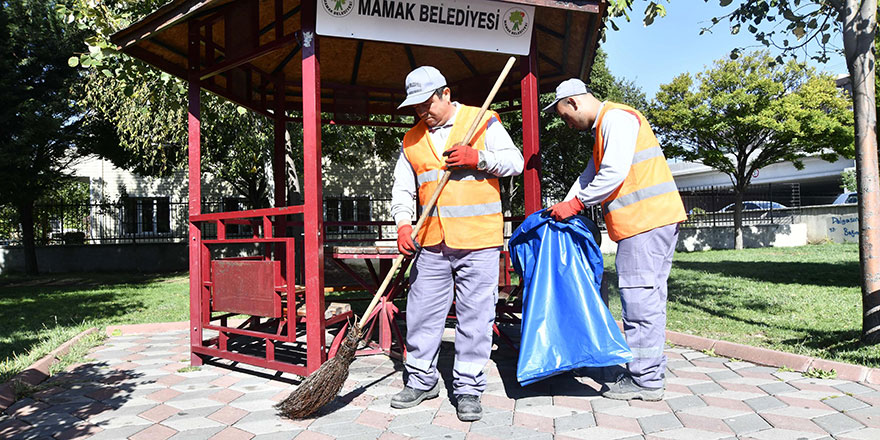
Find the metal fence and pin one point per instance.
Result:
(762, 205)
(156, 219)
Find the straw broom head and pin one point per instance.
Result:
(322, 386)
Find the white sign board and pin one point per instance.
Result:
(482, 25)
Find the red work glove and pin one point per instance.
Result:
(405, 243)
(462, 156)
(564, 210)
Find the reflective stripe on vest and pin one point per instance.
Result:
(648, 197)
(466, 210)
(459, 175)
(468, 214)
(638, 196)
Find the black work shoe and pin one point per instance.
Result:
(411, 397)
(626, 389)
(468, 408)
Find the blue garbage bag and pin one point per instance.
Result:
(565, 323)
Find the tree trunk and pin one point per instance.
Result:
(26, 213)
(859, 24)
(738, 219)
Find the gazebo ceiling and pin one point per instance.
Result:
(242, 55)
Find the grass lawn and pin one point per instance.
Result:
(803, 300)
(39, 314)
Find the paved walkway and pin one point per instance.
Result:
(138, 387)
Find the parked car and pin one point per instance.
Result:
(754, 205)
(847, 197)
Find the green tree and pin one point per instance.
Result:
(147, 110)
(819, 21)
(43, 131)
(566, 152)
(744, 114)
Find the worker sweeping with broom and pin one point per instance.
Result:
(629, 177)
(460, 241)
(477, 155)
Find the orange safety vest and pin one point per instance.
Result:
(648, 197)
(468, 213)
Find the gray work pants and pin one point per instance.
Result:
(643, 262)
(473, 275)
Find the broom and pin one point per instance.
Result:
(324, 384)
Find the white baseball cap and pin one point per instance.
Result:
(421, 84)
(569, 87)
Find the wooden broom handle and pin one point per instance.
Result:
(433, 200)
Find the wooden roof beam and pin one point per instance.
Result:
(256, 53)
(165, 17)
(467, 63)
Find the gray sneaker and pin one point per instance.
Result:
(411, 397)
(467, 408)
(626, 389)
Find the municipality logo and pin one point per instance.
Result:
(338, 8)
(515, 21)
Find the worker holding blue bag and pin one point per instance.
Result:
(565, 323)
(642, 209)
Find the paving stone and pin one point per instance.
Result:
(599, 433)
(722, 376)
(533, 401)
(187, 423)
(760, 404)
(508, 432)
(278, 435)
(853, 388)
(659, 422)
(416, 418)
(747, 423)
(845, 403)
(352, 430)
(777, 388)
(837, 423)
(118, 433)
(498, 418)
(862, 434)
(706, 388)
(574, 422)
(335, 417)
(602, 404)
(684, 402)
(195, 434)
(784, 434)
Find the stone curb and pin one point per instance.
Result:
(39, 370)
(773, 358)
(156, 327)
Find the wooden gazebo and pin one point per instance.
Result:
(274, 58)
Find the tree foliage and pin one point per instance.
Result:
(147, 109)
(565, 152)
(43, 131)
(742, 115)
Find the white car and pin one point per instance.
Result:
(755, 205)
(847, 197)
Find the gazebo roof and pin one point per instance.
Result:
(357, 76)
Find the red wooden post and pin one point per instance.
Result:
(313, 217)
(280, 159)
(196, 285)
(531, 135)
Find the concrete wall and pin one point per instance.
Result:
(146, 257)
(710, 238)
(837, 223)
